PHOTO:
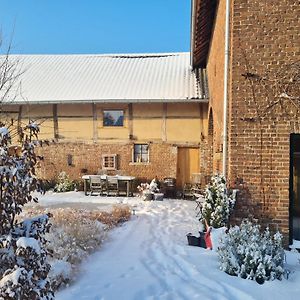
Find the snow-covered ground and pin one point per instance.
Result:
(148, 258)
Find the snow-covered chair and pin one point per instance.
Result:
(97, 185)
(112, 185)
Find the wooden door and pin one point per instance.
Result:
(187, 164)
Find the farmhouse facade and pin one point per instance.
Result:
(259, 148)
(141, 115)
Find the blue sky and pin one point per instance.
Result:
(96, 26)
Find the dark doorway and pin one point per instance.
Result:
(295, 188)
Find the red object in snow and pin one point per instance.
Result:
(208, 240)
(207, 237)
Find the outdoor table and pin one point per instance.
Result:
(127, 179)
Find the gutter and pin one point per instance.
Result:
(108, 101)
(225, 101)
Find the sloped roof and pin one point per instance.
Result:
(109, 78)
(203, 18)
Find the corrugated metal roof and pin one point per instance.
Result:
(109, 78)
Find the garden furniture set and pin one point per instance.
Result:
(108, 185)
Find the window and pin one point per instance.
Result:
(113, 118)
(141, 153)
(109, 161)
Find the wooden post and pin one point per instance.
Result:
(95, 123)
(55, 122)
(20, 118)
(164, 122)
(201, 121)
(130, 123)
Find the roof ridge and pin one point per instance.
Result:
(120, 55)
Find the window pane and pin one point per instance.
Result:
(141, 152)
(113, 117)
(145, 157)
(136, 157)
(144, 148)
(137, 149)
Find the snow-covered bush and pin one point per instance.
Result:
(24, 265)
(147, 190)
(144, 186)
(64, 183)
(248, 253)
(74, 235)
(24, 268)
(218, 204)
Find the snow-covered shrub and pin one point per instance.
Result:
(61, 273)
(248, 253)
(118, 215)
(64, 183)
(24, 268)
(218, 204)
(147, 190)
(144, 186)
(74, 235)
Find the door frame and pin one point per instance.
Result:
(293, 138)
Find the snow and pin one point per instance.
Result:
(295, 245)
(3, 131)
(11, 277)
(26, 242)
(148, 258)
(215, 235)
(60, 268)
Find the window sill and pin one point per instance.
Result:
(139, 163)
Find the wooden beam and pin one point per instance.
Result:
(55, 122)
(130, 122)
(95, 123)
(20, 119)
(164, 122)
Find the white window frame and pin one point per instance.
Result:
(148, 154)
(114, 157)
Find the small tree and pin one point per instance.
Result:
(64, 183)
(216, 208)
(24, 267)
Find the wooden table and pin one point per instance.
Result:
(127, 179)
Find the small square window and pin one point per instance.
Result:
(109, 161)
(141, 153)
(113, 118)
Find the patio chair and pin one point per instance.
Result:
(122, 187)
(112, 185)
(188, 190)
(97, 185)
(169, 187)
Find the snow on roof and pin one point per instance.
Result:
(109, 78)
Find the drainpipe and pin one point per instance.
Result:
(225, 102)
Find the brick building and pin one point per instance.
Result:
(259, 150)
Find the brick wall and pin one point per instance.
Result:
(163, 160)
(215, 73)
(264, 41)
